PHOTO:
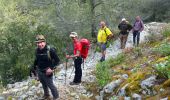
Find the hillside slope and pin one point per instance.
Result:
(133, 77)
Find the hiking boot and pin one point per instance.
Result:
(73, 83)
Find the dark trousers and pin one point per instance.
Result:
(136, 34)
(78, 70)
(123, 39)
(47, 82)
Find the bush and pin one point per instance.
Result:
(115, 61)
(162, 49)
(166, 32)
(103, 73)
(17, 52)
(162, 68)
(104, 69)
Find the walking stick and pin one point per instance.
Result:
(66, 71)
(71, 72)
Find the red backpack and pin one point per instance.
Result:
(85, 47)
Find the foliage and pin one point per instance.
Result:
(114, 98)
(16, 52)
(103, 73)
(138, 51)
(156, 10)
(162, 68)
(115, 61)
(103, 70)
(166, 32)
(162, 49)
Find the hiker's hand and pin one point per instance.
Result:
(49, 71)
(68, 56)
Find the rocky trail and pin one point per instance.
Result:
(31, 89)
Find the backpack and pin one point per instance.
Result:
(124, 27)
(85, 43)
(49, 54)
(108, 38)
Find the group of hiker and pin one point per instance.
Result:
(125, 27)
(46, 57)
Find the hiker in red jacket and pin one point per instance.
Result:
(77, 59)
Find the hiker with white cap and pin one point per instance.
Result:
(124, 28)
(77, 58)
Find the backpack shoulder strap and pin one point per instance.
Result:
(105, 31)
(48, 52)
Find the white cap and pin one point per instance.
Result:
(123, 19)
(73, 34)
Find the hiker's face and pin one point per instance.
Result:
(137, 18)
(102, 24)
(41, 45)
(73, 39)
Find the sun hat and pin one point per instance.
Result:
(123, 19)
(73, 34)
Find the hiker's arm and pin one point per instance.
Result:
(73, 56)
(54, 57)
(109, 33)
(129, 27)
(142, 26)
(77, 52)
(119, 26)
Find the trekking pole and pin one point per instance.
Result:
(66, 71)
(83, 63)
(71, 72)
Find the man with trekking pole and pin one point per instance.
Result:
(45, 67)
(77, 59)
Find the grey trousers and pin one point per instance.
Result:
(47, 82)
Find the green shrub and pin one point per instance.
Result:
(103, 73)
(104, 69)
(162, 49)
(166, 32)
(163, 69)
(115, 61)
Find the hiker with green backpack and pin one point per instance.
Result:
(45, 61)
(80, 52)
(104, 34)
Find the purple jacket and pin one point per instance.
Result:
(138, 26)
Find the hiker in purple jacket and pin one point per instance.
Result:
(137, 28)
